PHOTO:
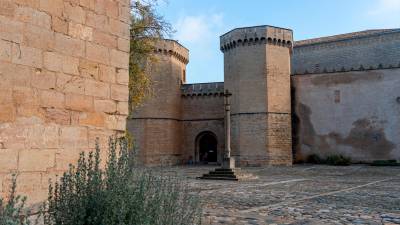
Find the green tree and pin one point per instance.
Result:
(146, 27)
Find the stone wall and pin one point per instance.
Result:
(355, 114)
(374, 49)
(156, 124)
(203, 111)
(257, 72)
(63, 82)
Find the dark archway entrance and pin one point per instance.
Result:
(207, 147)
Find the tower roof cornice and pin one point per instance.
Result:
(256, 35)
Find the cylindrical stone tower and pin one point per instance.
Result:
(257, 73)
(155, 125)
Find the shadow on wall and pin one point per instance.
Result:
(367, 139)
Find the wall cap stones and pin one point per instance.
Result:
(264, 34)
(172, 48)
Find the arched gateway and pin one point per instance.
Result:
(206, 147)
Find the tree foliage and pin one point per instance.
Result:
(146, 27)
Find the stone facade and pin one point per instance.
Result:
(339, 94)
(346, 96)
(63, 82)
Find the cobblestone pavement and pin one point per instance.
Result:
(301, 194)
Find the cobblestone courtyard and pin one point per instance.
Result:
(301, 194)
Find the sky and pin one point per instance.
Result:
(199, 23)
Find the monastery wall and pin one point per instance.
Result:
(354, 112)
(257, 72)
(156, 124)
(375, 49)
(203, 111)
(63, 83)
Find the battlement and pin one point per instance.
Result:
(172, 48)
(357, 51)
(256, 35)
(203, 89)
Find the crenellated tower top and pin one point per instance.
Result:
(256, 35)
(172, 48)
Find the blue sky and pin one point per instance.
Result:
(199, 23)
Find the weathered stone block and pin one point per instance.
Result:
(59, 25)
(33, 16)
(119, 59)
(74, 137)
(69, 46)
(14, 75)
(104, 39)
(122, 108)
(57, 116)
(119, 92)
(5, 50)
(11, 30)
(116, 122)
(40, 136)
(70, 65)
(7, 113)
(118, 28)
(50, 98)
(30, 3)
(97, 53)
(25, 95)
(7, 8)
(44, 79)
(124, 13)
(27, 56)
(103, 105)
(122, 76)
(65, 157)
(112, 9)
(89, 69)
(32, 111)
(80, 31)
(124, 44)
(103, 138)
(5, 96)
(79, 102)
(28, 160)
(92, 119)
(8, 159)
(107, 74)
(89, 4)
(70, 84)
(53, 7)
(53, 61)
(38, 37)
(96, 88)
(74, 12)
(97, 21)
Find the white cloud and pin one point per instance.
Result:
(386, 8)
(198, 29)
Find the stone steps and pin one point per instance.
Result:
(221, 174)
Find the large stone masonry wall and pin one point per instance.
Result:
(355, 114)
(348, 52)
(63, 82)
(202, 111)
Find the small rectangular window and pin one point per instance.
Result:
(184, 76)
(337, 96)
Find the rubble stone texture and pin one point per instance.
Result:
(63, 83)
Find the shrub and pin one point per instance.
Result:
(120, 194)
(11, 211)
(314, 158)
(338, 160)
